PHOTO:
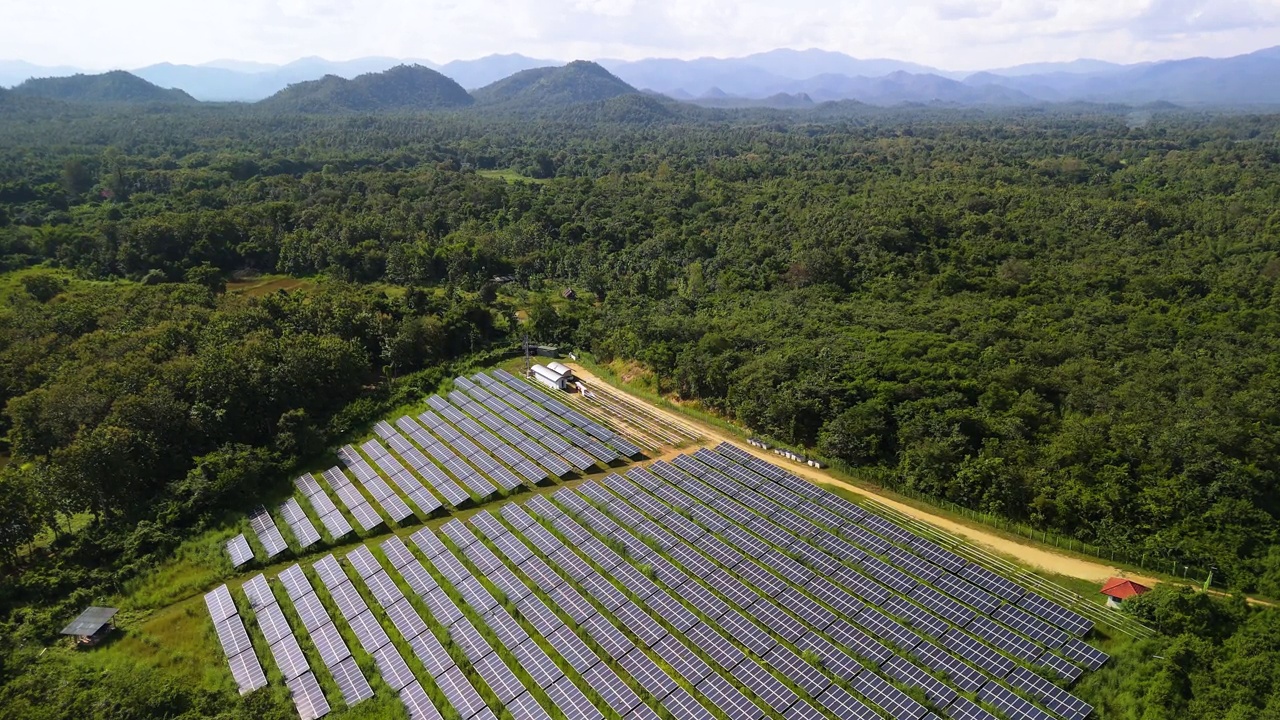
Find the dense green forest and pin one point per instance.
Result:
(1068, 318)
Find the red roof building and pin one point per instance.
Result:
(1121, 589)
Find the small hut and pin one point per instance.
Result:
(92, 626)
(1118, 590)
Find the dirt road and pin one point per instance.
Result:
(1028, 555)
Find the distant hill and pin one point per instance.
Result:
(116, 86)
(483, 71)
(578, 82)
(402, 88)
(780, 101)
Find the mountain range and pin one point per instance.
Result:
(779, 78)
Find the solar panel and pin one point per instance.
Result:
(1031, 626)
(683, 705)
(1081, 652)
(942, 605)
(239, 551)
(406, 619)
(329, 643)
(289, 658)
(647, 673)
(916, 616)
(888, 628)
(366, 517)
(977, 653)
(964, 709)
(715, 645)
(832, 659)
(538, 614)
(610, 639)
(572, 649)
(768, 688)
(434, 658)
(990, 581)
(862, 644)
(271, 620)
(570, 699)
(897, 703)
(728, 698)
(536, 662)
(966, 592)
(362, 560)
(460, 693)
(220, 603)
(294, 581)
(1068, 620)
(303, 530)
(1004, 639)
(330, 572)
(639, 623)
(962, 675)
(392, 667)
(368, 631)
(268, 534)
(258, 592)
(1055, 698)
(247, 672)
(311, 610)
(495, 673)
(385, 591)
(232, 635)
(1004, 700)
(611, 688)
(938, 693)
(1062, 667)
(526, 707)
(805, 675)
(747, 633)
(845, 705)
(335, 524)
(350, 603)
(351, 682)
(466, 637)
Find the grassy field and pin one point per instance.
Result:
(511, 176)
(266, 284)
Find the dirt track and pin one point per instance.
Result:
(1024, 554)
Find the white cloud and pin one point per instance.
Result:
(952, 34)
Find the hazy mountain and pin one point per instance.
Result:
(823, 76)
(243, 66)
(402, 88)
(756, 75)
(578, 82)
(116, 86)
(217, 82)
(13, 72)
(492, 68)
(1083, 66)
(1252, 79)
(781, 101)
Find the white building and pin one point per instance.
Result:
(550, 378)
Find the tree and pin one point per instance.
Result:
(43, 286)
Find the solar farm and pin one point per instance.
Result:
(710, 584)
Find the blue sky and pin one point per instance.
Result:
(950, 34)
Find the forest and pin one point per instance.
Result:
(1068, 318)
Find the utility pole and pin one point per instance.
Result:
(527, 359)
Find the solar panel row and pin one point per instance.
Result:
(268, 534)
(244, 665)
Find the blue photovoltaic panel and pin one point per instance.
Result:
(1068, 620)
(239, 551)
(845, 705)
(962, 675)
(1030, 625)
(724, 695)
(289, 658)
(351, 682)
(1004, 700)
(1089, 656)
(1064, 668)
(898, 704)
(247, 672)
(312, 611)
(526, 707)
(1004, 639)
(977, 653)
(271, 620)
(258, 592)
(220, 604)
(938, 692)
(570, 699)
(232, 636)
(964, 709)
(329, 643)
(988, 580)
(307, 697)
(268, 534)
(1055, 698)
(611, 689)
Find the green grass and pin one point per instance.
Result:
(511, 176)
(267, 284)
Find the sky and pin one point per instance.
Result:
(947, 34)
